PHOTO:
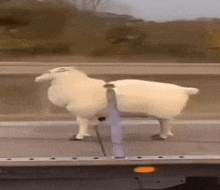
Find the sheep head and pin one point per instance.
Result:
(53, 73)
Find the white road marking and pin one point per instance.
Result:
(123, 122)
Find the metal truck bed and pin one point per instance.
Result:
(51, 139)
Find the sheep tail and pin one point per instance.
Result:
(192, 91)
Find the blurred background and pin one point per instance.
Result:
(104, 30)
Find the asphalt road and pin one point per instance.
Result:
(51, 139)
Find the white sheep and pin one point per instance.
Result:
(85, 98)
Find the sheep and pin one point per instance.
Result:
(86, 98)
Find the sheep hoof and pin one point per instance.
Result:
(157, 137)
(75, 139)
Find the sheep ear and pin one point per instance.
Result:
(61, 69)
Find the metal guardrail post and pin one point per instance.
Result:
(116, 129)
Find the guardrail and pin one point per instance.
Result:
(27, 68)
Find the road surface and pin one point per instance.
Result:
(50, 139)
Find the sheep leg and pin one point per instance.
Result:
(169, 128)
(166, 127)
(83, 129)
(164, 132)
